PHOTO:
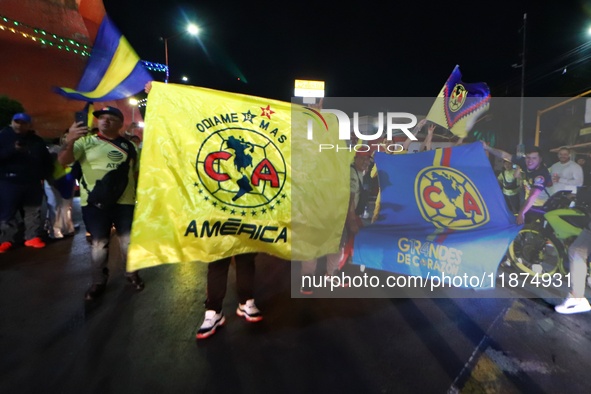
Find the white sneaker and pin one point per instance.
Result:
(249, 311)
(210, 322)
(573, 305)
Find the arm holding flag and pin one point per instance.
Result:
(501, 154)
(537, 175)
(426, 145)
(533, 195)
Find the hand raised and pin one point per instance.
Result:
(76, 131)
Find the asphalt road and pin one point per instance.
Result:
(51, 341)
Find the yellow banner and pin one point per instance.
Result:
(223, 174)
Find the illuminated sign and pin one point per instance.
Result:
(305, 88)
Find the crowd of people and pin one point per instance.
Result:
(525, 181)
(105, 158)
(37, 187)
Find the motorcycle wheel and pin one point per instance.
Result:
(534, 253)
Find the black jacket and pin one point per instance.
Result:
(30, 164)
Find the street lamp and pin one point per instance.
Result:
(185, 79)
(192, 29)
(133, 102)
(521, 147)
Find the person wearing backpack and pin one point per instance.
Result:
(109, 166)
(511, 186)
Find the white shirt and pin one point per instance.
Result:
(570, 175)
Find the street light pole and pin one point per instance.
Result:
(520, 147)
(166, 57)
(192, 29)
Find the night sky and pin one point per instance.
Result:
(369, 49)
(364, 49)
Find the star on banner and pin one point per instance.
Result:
(248, 117)
(267, 111)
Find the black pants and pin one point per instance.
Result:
(217, 280)
(98, 224)
(513, 203)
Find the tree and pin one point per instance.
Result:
(8, 107)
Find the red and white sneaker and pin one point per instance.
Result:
(249, 311)
(36, 243)
(211, 321)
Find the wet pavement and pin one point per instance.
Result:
(51, 341)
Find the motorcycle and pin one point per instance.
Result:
(541, 247)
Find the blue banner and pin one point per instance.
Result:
(442, 213)
(113, 71)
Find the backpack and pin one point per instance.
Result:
(509, 185)
(109, 189)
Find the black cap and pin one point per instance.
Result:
(108, 110)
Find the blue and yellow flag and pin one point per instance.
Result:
(442, 213)
(223, 174)
(459, 104)
(113, 71)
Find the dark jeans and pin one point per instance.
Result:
(98, 224)
(217, 280)
(513, 203)
(27, 198)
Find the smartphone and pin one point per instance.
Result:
(82, 116)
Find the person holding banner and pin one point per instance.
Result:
(537, 177)
(358, 199)
(217, 278)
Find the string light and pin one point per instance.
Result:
(44, 38)
(53, 40)
(154, 66)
